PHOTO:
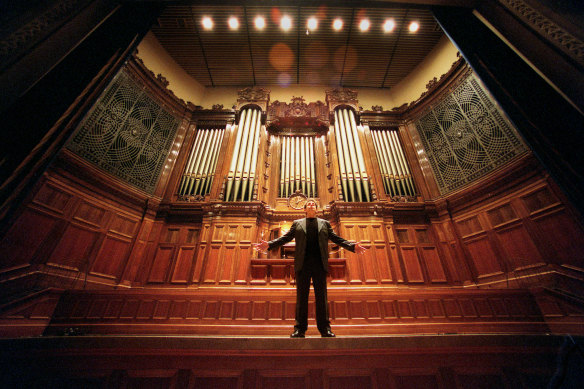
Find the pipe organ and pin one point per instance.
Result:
(297, 166)
(200, 168)
(241, 177)
(396, 176)
(354, 179)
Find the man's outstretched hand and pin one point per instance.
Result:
(359, 249)
(262, 246)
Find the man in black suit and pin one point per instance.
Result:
(311, 262)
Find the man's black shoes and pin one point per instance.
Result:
(297, 334)
(327, 334)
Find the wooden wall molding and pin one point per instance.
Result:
(225, 311)
(444, 361)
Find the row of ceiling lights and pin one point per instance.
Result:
(311, 24)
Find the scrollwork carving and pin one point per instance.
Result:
(253, 94)
(547, 28)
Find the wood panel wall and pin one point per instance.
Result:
(70, 231)
(432, 362)
(268, 311)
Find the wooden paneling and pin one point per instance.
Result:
(72, 229)
(525, 229)
(431, 361)
(272, 311)
(26, 236)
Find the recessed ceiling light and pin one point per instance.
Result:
(414, 26)
(312, 24)
(389, 25)
(260, 22)
(286, 23)
(364, 25)
(233, 23)
(338, 24)
(207, 23)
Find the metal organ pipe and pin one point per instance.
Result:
(406, 170)
(241, 177)
(301, 162)
(306, 165)
(382, 163)
(356, 187)
(202, 163)
(187, 174)
(359, 150)
(287, 167)
(254, 158)
(211, 173)
(312, 168)
(297, 171)
(342, 167)
(245, 174)
(244, 149)
(393, 163)
(234, 157)
(282, 165)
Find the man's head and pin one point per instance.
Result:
(310, 208)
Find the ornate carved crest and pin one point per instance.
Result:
(253, 94)
(162, 80)
(297, 108)
(217, 107)
(297, 115)
(377, 108)
(341, 95)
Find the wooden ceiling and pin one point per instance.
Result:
(247, 56)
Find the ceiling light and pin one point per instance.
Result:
(338, 24)
(364, 25)
(233, 23)
(312, 24)
(260, 22)
(389, 25)
(286, 23)
(207, 23)
(414, 26)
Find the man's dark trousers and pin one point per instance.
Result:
(312, 269)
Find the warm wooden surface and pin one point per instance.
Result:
(446, 361)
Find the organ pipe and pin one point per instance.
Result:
(302, 164)
(245, 174)
(242, 154)
(186, 177)
(342, 168)
(241, 177)
(307, 166)
(382, 163)
(359, 151)
(398, 162)
(297, 166)
(312, 168)
(356, 186)
(254, 158)
(207, 187)
(234, 157)
(393, 164)
(405, 168)
(202, 162)
(287, 169)
(282, 167)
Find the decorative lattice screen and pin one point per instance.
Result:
(467, 136)
(126, 133)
